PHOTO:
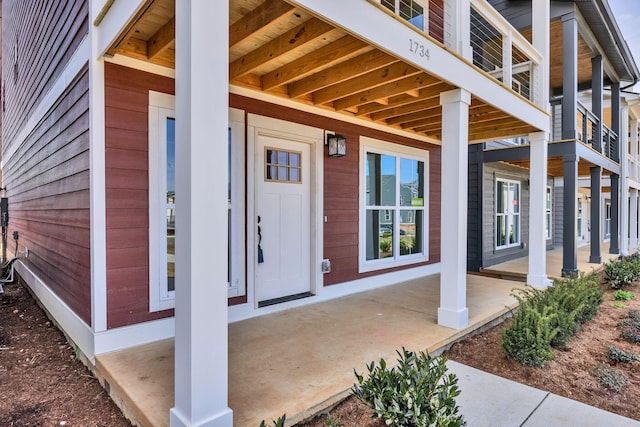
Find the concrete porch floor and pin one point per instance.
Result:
(301, 360)
(518, 268)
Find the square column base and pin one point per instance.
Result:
(223, 419)
(595, 259)
(456, 319)
(539, 281)
(572, 273)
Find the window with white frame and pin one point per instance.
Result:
(607, 218)
(547, 214)
(413, 11)
(507, 213)
(162, 197)
(393, 205)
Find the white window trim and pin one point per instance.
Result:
(382, 147)
(237, 287)
(519, 214)
(161, 107)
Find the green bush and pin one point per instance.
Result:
(622, 271)
(528, 339)
(620, 356)
(620, 295)
(385, 245)
(276, 423)
(549, 318)
(417, 392)
(612, 378)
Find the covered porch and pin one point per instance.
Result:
(301, 360)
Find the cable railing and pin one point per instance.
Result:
(587, 130)
(500, 50)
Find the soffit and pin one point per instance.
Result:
(280, 49)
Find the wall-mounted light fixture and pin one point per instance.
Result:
(337, 145)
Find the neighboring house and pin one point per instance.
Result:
(589, 58)
(166, 166)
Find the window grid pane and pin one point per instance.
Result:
(283, 166)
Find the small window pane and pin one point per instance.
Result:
(283, 158)
(294, 174)
(171, 249)
(381, 180)
(379, 241)
(294, 159)
(411, 182)
(282, 174)
(272, 156)
(515, 202)
(171, 159)
(411, 231)
(501, 230)
(413, 12)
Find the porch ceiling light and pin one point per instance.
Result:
(337, 145)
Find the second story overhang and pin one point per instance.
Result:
(360, 60)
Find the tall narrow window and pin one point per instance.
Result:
(507, 214)
(579, 220)
(607, 219)
(394, 224)
(548, 206)
(162, 201)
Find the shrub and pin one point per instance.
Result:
(623, 271)
(385, 245)
(528, 339)
(620, 356)
(612, 378)
(620, 295)
(417, 392)
(631, 334)
(619, 305)
(276, 423)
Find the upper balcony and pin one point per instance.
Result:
(588, 124)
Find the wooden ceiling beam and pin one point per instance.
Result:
(391, 73)
(292, 39)
(433, 111)
(351, 68)
(162, 39)
(134, 48)
(483, 136)
(384, 91)
(419, 105)
(404, 100)
(305, 65)
(496, 124)
(268, 14)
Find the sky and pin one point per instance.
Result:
(627, 14)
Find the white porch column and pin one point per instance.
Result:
(540, 23)
(537, 276)
(633, 220)
(457, 27)
(453, 310)
(201, 342)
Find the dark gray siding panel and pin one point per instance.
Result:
(47, 182)
(492, 171)
(39, 38)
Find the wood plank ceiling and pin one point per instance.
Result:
(277, 48)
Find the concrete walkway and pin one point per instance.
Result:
(487, 400)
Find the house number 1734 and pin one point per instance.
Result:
(418, 49)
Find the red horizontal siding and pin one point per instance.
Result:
(341, 178)
(127, 193)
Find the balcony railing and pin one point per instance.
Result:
(502, 51)
(587, 127)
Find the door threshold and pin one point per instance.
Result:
(280, 300)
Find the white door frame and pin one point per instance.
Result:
(260, 125)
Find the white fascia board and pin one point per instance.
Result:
(441, 63)
(118, 15)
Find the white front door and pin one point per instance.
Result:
(283, 215)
